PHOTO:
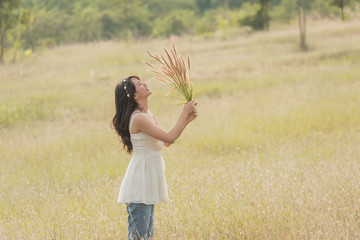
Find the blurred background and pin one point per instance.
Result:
(274, 153)
(31, 24)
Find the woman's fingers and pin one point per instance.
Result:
(190, 108)
(194, 108)
(195, 112)
(193, 103)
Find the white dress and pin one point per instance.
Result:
(144, 180)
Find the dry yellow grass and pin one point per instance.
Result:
(274, 153)
(173, 71)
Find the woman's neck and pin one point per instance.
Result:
(143, 105)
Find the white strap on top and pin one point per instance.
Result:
(131, 121)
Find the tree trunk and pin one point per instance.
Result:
(125, 13)
(302, 23)
(2, 46)
(304, 46)
(1, 34)
(264, 14)
(16, 44)
(23, 20)
(267, 17)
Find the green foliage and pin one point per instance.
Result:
(138, 22)
(52, 24)
(260, 20)
(25, 18)
(323, 8)
(8, 13)
(177, 23)
(84, 25)
(205, 5)
(66, 21)
(65, 6)
(8, 20)
(341, 4)
(284, 12)
(207, 23)
(247, 13)
(108, 26)
(222, 20)
(161, 8)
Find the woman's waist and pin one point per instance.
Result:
(146, 152)
(150, 146)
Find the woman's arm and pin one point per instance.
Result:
(166, 144)
(143, 124)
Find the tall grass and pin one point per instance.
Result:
(173, 71)
(274, 153)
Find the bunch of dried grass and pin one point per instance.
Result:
(173, 70)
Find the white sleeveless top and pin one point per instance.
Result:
(144, 180)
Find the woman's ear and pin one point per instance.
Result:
(135, 96)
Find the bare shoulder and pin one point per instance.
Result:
(153, 117)
(136, 120)
(140, 119)
(141, 122)
(134, 112)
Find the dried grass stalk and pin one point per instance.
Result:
(172, 70)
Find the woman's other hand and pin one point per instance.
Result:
(190, 110)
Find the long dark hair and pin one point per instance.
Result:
(125, 104)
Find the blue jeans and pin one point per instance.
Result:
(141, 220)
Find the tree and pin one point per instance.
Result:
(127, 7)
(25, 18)
(177, 23)
(261, 20)
(285, 11)
(263, 14)
(301, 10)
(108, 26)
(341, 4)
(8, 19)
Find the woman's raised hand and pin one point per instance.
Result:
(191, 111)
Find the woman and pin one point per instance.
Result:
(144, 183)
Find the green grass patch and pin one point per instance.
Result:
(33, 108)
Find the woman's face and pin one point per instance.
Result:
(141, 89)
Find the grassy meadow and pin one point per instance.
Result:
(274, 153)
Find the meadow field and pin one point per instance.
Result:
(274, 153)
